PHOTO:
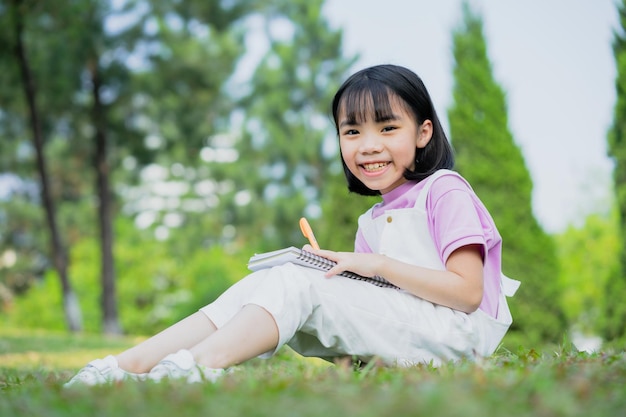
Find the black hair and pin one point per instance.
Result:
(370, 92)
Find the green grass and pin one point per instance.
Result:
(34, 366)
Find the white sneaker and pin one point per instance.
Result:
(102, 371)
(182, 366)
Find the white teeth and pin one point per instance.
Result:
(375, 166)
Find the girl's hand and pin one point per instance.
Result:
(459, 286)
(366, 264)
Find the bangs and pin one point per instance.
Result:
(367, 99)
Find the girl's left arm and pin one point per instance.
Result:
(459, 286)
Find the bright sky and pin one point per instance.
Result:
(552, 57)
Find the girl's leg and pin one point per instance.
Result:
(250, 333)
(182, 335)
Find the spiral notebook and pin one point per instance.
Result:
(301, 257)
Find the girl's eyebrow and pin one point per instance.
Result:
(381, 119)
(347, 122)
(387, 118)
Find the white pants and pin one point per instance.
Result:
(331, 317)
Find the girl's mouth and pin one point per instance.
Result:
(375, 166)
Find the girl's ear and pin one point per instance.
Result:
(424, 133)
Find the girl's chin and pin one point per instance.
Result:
(382, 186)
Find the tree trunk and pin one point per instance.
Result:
(110, 321)
(71, 307)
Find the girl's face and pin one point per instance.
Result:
(379, 148)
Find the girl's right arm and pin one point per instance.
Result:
(459, 286)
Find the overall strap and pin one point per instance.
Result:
(420, 202)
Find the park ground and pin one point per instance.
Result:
(559, 381)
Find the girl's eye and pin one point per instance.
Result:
(389, 128)
(351, 132)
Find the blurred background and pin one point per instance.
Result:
(149, 147)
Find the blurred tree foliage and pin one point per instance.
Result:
(491, 161)
(155, 288)
(615, 308)
(184, 97)
(285, 147)
(35, 112)
(589, 258)
(87, 57)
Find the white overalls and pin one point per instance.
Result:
(332, 317)
(387, 234)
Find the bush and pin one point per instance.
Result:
(154, 287)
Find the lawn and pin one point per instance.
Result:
(556, 382)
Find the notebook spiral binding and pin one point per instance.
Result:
(327, 264)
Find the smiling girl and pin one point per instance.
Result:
(430, 236)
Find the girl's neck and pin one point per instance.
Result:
(397, 192)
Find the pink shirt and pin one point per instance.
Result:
(456, 218)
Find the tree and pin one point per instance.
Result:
(182, 107)
(286, 145)
(98, 76)
(615, 310)
(98, 103)
(491, 161)
(153, 90)
(193, 51)
(19, 11)
(589, 258)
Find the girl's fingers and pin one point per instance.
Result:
(328, 254)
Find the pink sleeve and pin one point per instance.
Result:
(454, 220)
(458, 218)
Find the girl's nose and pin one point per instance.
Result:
(371, 143)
